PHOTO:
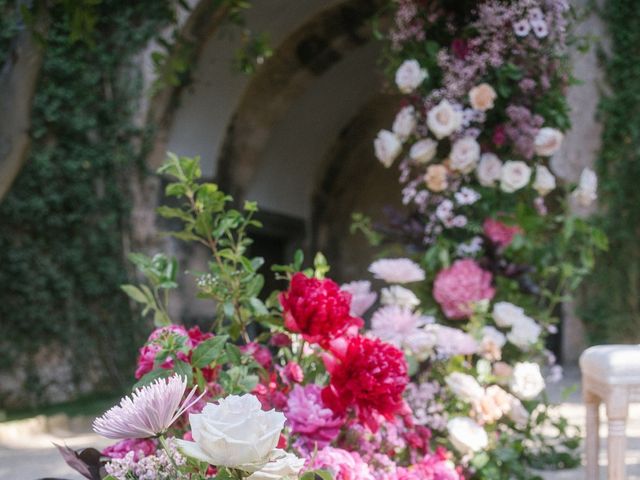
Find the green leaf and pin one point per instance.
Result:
(168, 212)
(208, 351)
(135, 293)
(184, 370)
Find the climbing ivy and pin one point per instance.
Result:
(65, 218)
(611, 303)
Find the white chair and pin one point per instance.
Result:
(610, 375)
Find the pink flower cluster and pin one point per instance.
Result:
(458, 288)
(499, 233)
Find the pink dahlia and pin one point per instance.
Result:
(310, 418)
(458, 288)
(499, 233)
(317, 309)
(361, 296)
(342, 464)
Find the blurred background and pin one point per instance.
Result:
(282, 100)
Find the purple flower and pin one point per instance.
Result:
(308, 417)
(149, 411)
(361, 296)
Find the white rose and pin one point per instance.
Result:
(526, 381)
(544, 181)
(464, 386)
(524, 332)
(466, 435)
(465, 154)
(387, 147)
(504, 313)
(515, 175)
(234, 433)
(281, 466)
(482, 97)
(489, 170)
(404, 123)
(443, 119)
(548, 141)
(587, 190)
(517, 412)
(409, 76)
(400, 296)
(424, 150)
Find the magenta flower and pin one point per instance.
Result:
(141, 447)
(342, 464)
(149, 411)
(500, 233)
(458, 288)
(310, 418)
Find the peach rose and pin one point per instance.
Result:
(482, 97)
(436, 178)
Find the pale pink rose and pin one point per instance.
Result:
(544, 182)
(482, 97)
(464, 155)
(515, 175)
(444, 119)
(387, 147)
(423, 151)
(548, 141)
(409, 76)
(460, 287)
(404, 123)
(489, 170)
(436, 178)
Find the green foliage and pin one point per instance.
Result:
(611, 301)
(65, 220)
(9, 26)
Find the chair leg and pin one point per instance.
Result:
(592, 403)
(617, 407)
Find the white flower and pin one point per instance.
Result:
(444, 210)
(387, 147)
(404, 123)
(464, 386)
(544, 181)
(394, 324)
(400, 296)
(281, 466)
(522, 28)
(587, 190)
(535, 14)
(548, 141)
(466, 435)
(526, 381)
(409, 76)
(234, 433)
(525, 331)
(504, 313)
(489, 170)
(443, 119)
(482, 97)
(466, 196)
(540, 28)
(515, 175)
(465, 155)
(397, 270)
(361, 296)
(424, 150)
(421, 343)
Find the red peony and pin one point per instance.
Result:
(368, 375)
(499, 233)
(317, 309)
(460, 286)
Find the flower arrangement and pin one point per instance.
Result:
(476, 137)
(283, 388)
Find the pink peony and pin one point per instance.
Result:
(361, 296)
(141, 448)
(342, 464)
(310, 418)
(460, 286)
(499, 233)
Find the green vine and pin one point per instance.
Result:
(63, 222)
(611, 303)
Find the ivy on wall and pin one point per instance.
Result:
(611, 303)
(64, 220)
